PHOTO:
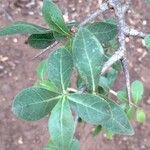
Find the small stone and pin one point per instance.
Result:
(127, 40)
(144, 22)
(148, 101)
(31, 13)
(20, 140)
(15, 40)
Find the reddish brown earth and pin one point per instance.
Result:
(17, 71)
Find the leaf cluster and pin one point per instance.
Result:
(85, 51)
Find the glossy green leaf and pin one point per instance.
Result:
(48, 85)
(140, 116)
(34, 103)
(91, 108)
(54, 17)
(147, 42)
(60, 67)
(42, 69)
(41, 41)
(118, 122)
(22, 27)
(104, 31)
(88, 57)
(61, 125)
(137, 91)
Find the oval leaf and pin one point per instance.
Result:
(88, 57)
(103, 31)
(118, 122)
(61, 125)
(54, 17)
(140, 116)
(137, 91)
(91, 108)
(22, 27)
(41, 41)
(60, 67)
(34, 103)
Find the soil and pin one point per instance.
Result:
(17, 71)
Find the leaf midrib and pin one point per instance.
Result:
(91, 70)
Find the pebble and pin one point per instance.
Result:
(15, 40)
(20, 140)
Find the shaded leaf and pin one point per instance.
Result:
(103, 31)
(137, 91)
(118, 122)
(97, 130)
(106, 81)
(61, 125)
(91, 108)
(88, 57)
(34, 103)
(41, 41)
(60, 67)
(54, 17)
(22, 27)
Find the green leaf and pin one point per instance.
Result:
(147, 42)
(109, 135)
(48, 85)
(137, 91)
(97, 130)
(122, 95)
(60, 67)
(129, 111)
(88, 57)
(22, 27)
(104, 31)
(54, 17)
(61, 125)
(34, 103)
(106, 81)
(91, 108)
(75, 145)
(41, 41)
(42, 69)
(118, 122)
(140, 116)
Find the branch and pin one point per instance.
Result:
(120, 8)
(45, 50)
(103, 8)
(133, 32)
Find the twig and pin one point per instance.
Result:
(45, 50)
(127, 77)
(103, 8)
(120, 9)
(133, 32)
